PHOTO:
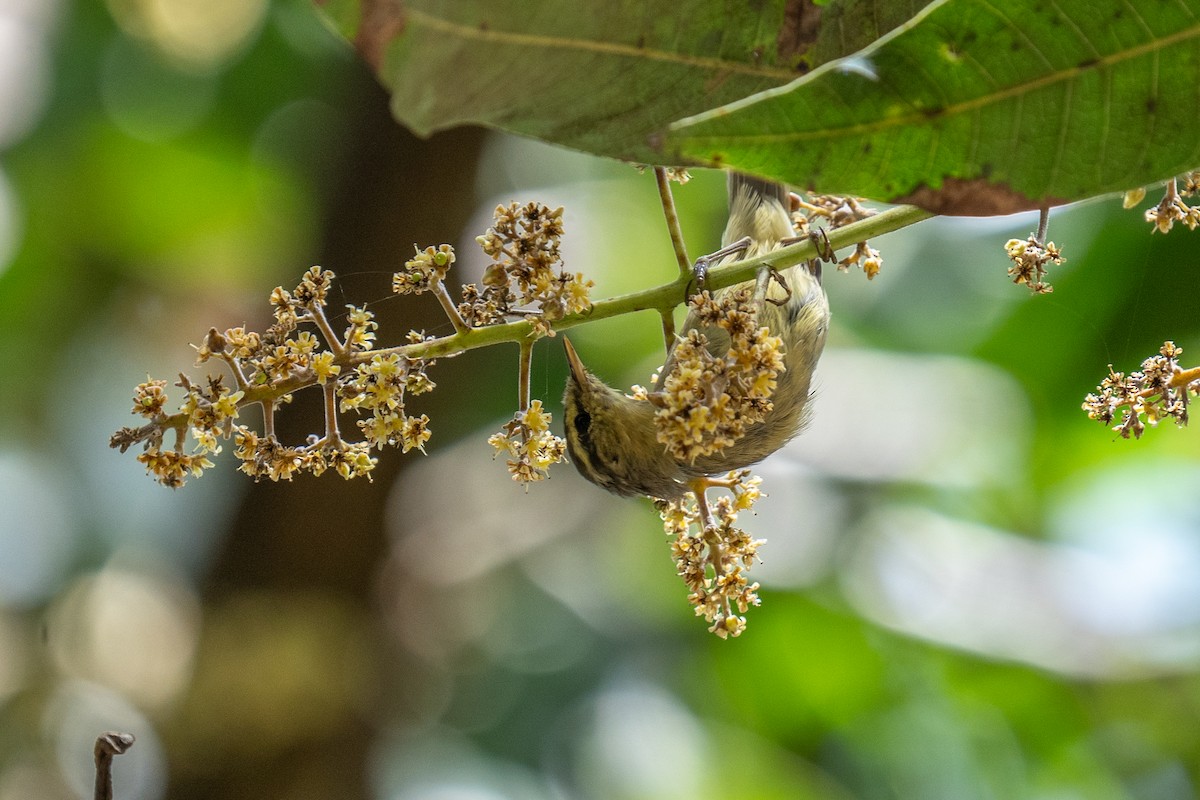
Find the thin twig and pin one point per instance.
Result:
(333, 436)
(109, 744)
(235, 367)
(708, 528)
(317, 313)
(1043, 224)
(1184, 377)
(699, 487)
(668, 327)
(1172, 192)
(523, 373)
(668, 204)
(268, 408)
(443, 296)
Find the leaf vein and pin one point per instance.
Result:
(1015, 91)
(513, 38)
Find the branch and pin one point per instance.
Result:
(108, 745)
(668, 204)
(661, 298)
(668, 295)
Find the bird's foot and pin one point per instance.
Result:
(703, 263)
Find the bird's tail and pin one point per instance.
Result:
(758, 209)
(739, 182)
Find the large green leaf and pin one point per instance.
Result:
(598, 76)
(979, 106)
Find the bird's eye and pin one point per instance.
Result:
(583, 421)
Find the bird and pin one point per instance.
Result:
(611, 437)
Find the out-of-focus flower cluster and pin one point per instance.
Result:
(1030, 258)
(210, 412)
(835, 212)
(530, 446)
(1159, 390)
(712, 554)
(706, 402)
(678, 175)
(525, 271)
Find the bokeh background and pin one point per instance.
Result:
(970, 590)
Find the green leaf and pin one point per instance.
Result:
(976, 106)
(602, 77)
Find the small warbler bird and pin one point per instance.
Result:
(612, 437)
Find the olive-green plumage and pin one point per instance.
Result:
(611, 437)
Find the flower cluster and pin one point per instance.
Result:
(1030, 258)
(863, 256)
(269, 367)
(712, 554)
(523, 244)
(836, 212)
(1188, 184)
(267, 457)
(379, 387)
(678, 175)
(1172, 208)
(424, 271)
(707, 401)
(1159, 390)
(531, 447)
(301, 349)
(207, 412)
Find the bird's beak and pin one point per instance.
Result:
(577, 368)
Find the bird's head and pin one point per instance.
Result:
(611, 439)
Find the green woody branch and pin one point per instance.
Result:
(668, 295)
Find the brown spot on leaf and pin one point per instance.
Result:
(973, 198)
(382, 21)
(801, 24)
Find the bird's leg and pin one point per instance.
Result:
(820, 240)
(762, 282)
(700, 268)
